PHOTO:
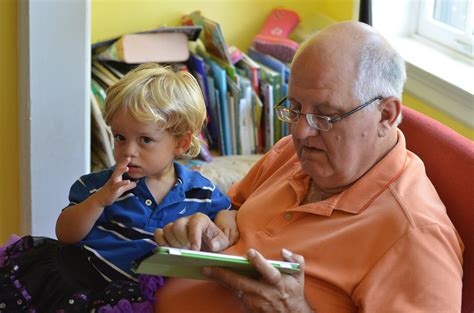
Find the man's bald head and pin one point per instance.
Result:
(360, 53)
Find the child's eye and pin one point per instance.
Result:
(119, 138)
(145, 140)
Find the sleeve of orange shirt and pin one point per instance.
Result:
(422, 272)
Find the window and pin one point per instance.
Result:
(448, 22)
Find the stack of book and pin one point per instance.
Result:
(240, 89)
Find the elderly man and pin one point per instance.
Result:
(343, 194)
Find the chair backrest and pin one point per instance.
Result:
(449, 162)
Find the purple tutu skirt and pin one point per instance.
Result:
(42, 275)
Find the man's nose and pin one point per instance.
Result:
(302, 129)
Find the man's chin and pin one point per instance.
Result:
(317, 170)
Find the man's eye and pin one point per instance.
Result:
(119, 138)
(146, 140)
(292, 105)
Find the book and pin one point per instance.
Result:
(214, 102)
(257, 106)
(160, 47)
(211, 36)
(174, 262)
(197, 66)
(101, 139)
(252, 70)
(219, 75)
(111, 77)
(268, 126)
(105, 80)
(271, 62)
(192, 32)
(234, 96)
(246, 119)
(275, 80)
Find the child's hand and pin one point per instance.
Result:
(226, 221)
(115, 186)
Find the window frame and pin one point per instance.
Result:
(458, 40)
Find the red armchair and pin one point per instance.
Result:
(449, 162)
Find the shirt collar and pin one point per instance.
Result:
(359, 196)
(188, 180)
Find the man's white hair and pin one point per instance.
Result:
(381, 73)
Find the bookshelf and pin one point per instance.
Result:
(54, 57)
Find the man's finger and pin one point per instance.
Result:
(268, 273)
(296, 258)
(214, 238)
(232, 280)
(202, 230)
(234, 236)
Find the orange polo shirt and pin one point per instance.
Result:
(385, 244)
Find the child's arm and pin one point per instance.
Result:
(226, 221)
(76, 221)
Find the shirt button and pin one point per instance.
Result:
(288, 216)
(148, 202)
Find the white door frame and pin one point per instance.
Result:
(54, 111)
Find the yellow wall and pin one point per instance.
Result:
(414, 103)
(9, 184)
(240, 20)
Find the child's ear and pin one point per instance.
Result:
(183, 142)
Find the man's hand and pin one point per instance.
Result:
(226, 221)
(196, 232)
(115, 186)
(272, 292)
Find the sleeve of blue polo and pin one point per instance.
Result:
(219, 202)
(78, 192)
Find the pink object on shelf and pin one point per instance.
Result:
(273, 37)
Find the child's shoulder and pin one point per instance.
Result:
(96, 179)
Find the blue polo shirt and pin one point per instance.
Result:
(124, 231)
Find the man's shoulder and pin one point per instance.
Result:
(417, 196)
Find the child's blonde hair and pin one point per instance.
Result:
(155, 94)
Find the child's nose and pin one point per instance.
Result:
(130, 150)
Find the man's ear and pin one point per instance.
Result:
(183, 142)
(390, 108)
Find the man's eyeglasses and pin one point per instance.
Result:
(320, 122)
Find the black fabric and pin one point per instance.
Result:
(365, 12)
(45, 275)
